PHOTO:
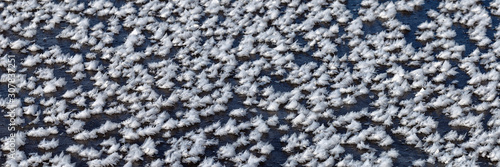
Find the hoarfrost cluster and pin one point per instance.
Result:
(252, 83)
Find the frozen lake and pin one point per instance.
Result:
(234, 83)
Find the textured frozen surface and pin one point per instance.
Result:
(252, 83)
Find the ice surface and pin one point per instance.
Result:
(250, 83)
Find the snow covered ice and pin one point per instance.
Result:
(250, 83)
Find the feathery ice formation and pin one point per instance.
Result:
(252, 83)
